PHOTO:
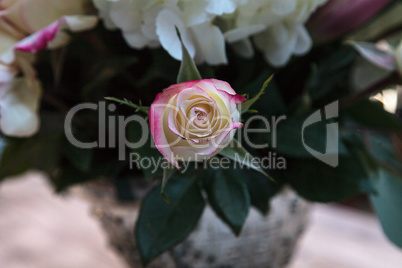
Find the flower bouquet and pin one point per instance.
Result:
(214, 103)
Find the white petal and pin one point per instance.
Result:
(103, 7)
(304, 42)
(221, 7)
(135, 39)
(18, 109)
(166, 22)
(210, 43)
(277, 43)
(194, 13)
(243, 32)
(283, 7)
(380, 57)
(148, 27)
(364, 75)
(125, 15)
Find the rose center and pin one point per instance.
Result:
(201, 115)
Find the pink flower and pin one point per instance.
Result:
(26, 27)
(194, 120)
(339, 17)
(30, 16)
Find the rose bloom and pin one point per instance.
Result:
(26, 27)
(194, 120)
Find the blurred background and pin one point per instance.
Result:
(41, 229)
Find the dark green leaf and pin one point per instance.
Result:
(153, 168)
(229, 197)
(387, 204)
(40, 152)
(384, 150)
(288, 139)
(237, 153)
(79, 158)
(371, 114)
(260, 188)
(317, 181)
(161, 226)
(330, 73)
(188, 70)
(103, 165)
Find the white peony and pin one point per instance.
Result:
(276, 26)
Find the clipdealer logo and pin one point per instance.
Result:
(331, 155)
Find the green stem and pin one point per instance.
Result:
(390, 80)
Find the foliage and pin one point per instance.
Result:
(306, 85)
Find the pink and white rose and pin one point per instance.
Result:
(194, 120)
(26, 27)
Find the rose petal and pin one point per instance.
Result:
(156, 116)
(18, 108)
(31, 16)
(54, 35)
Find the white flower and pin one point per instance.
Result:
(153, 23)
(277, 26)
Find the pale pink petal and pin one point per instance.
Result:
(382, 57)
(55, 35)
(19, 104)
(156, 116)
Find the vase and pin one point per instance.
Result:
(265, 241)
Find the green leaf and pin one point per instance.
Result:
(40, 152)
(147, 151)
(288, 139)
(103, 165)
(161, 226)
(271, 103)
(328, 76)
(237, 153)
(228, 197)
(79, 158)
(319, 182)
(137, 107)
(245, 107)
(384, 151)
(387, 204)
(188, 70)
(371, 114)
(260, 189)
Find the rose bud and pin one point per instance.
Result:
(193, 121)
(339, 17)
